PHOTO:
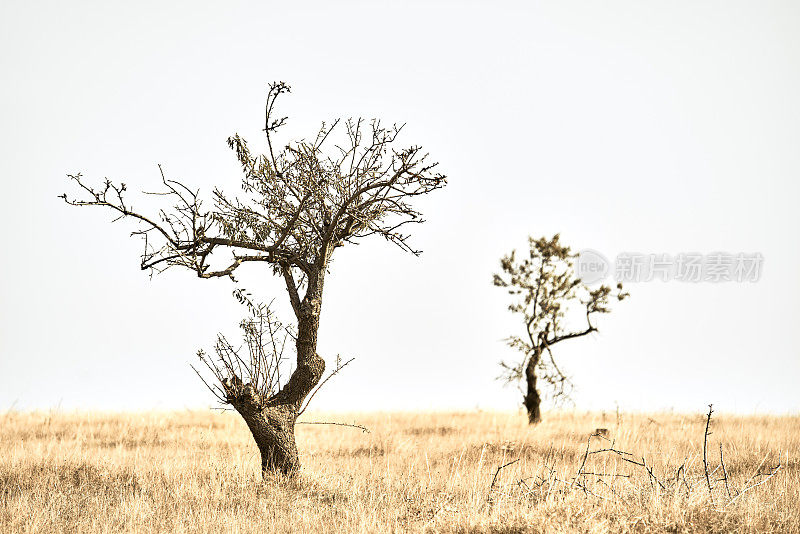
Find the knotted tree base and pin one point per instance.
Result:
(273, 432)
(272, 421)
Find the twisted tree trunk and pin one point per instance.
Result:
(532, 399)
(273, 431)
(271, 421)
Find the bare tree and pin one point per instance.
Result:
(547, 296)
(298, 206)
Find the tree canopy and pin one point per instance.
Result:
(298, 202)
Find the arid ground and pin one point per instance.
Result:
(417, 472)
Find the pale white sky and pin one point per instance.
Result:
(627, 126)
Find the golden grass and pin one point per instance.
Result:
(199, 471)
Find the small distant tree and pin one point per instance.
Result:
(549, 298)
(299, 203)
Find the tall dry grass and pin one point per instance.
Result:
(193, 471)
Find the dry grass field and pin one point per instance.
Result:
(199, 472)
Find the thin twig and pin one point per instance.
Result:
(583, 463)
(494, 480)
(748, 488)
(335, 371)
(705, 453)
(724, 471)
(362, 428)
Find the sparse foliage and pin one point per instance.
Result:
(549, 298)
(254, 369)
(257, 369)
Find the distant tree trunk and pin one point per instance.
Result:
(532, 399)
